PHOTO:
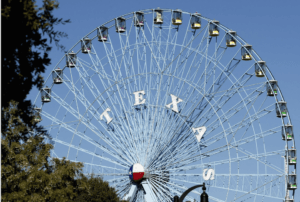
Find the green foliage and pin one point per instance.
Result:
(94, 189)
(26, 29)
(26, 173)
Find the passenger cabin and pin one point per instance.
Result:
(246, 52)
(196, 21)
(260, 69)
(177, 17)
(86, 45)
(158, 16)
(231, 39)
(37, 114)
(281, 109)
(292, 181)
(71, 59)
(46, 94)
(214, 28)
(287, 132)
(57, 76)
(120, 25)
(139, 19)
(272, 88)
(292, 156)
(102, 34)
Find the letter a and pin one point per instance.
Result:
(139, 98)
(106, 115)
(174, 103)
(201, 131)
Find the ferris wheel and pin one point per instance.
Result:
(159, 100)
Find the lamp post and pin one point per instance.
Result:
(203, 197)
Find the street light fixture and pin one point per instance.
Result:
(203, 197)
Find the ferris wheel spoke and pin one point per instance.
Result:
(240, 143)
(161, 190)
(248, 187)
(216, 62)
(121, 190)
(91, 141)
(96, 110)
(92, 128)
(151, 47)
(226, 117)
(233, 110)
(169, 85)
(223, 75)
(180, 53)
(238, 126)
(203, 165)
(160, 183)
(180, 165)
(185, 43)
(200, 113)
(171, 78)
(91, 153)
(157, 194)
(199, 107)
(117, 111)
(132, 140)
(251, 138)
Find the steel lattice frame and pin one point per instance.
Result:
(242, 142)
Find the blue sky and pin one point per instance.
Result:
(271, 27)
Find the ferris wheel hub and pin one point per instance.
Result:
(136, 172)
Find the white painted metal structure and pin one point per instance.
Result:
(180, 102)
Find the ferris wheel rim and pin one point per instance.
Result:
(221, 26)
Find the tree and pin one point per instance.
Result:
(94, 189)
(26, 172)
(26, 30)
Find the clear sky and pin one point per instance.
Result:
(270, 26)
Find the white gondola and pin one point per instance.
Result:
(246, 52)
(158, 19)
(139, 19)
(57, 76)
(177, 17)
(46, 94)
(230, 39)
(272, 88)
(120, 25)
(86, 45)
(292, 156)
(292, 181)
(102, 34)
(260, 68)
(281, 109)
(287, 132)
(196, 21)
(71, 59)
(37, 114)
(214, 28)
